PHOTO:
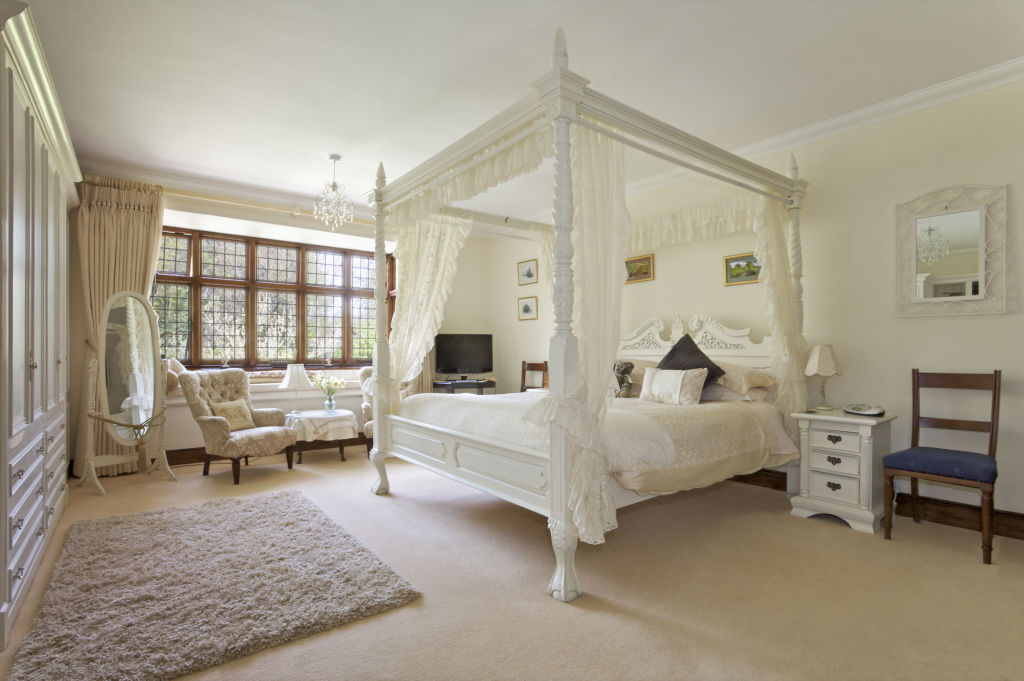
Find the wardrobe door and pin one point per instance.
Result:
(18, 236)
(37, 266)
(60, 288)
(51, 321)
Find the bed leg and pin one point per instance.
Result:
(564, 586)
(381, 486)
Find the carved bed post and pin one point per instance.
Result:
(563, 350)
(382, 357)
(796, 259)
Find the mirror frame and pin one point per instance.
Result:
(991, 201)
(158, 397)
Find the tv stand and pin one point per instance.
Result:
(465, 384)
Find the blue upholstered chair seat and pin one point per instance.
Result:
(951, 463)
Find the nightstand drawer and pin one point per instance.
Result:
(835, 487)
(838, 440)
(845, 464)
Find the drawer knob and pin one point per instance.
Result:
(40, 532)
(834, 486)
(50, 511)
(20, 474)
(835, 439)
(18, 525)
(42, 489)
(51, 438)
(834, 460)
(41, 450)
(50, 475)
(18, 574)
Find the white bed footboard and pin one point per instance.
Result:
(516, 474)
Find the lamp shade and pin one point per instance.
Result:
(295, 378)
(823, 362)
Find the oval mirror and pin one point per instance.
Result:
(129, 356)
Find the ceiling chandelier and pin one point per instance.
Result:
(932, 245)
(332, 207)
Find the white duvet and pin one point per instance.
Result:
(652, 448)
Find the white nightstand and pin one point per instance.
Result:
(841, 467)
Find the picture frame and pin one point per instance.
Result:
(527, 308)
(741, 268)
(640, 268)
(527, 271)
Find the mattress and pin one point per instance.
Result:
(652, 448)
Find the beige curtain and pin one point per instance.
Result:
(118, 224)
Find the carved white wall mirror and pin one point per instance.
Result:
(950, 256)
(131, 390)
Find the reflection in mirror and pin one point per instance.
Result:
(949, 251)
(129, 366)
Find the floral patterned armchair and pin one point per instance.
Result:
(220, 403)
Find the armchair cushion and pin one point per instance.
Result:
(236, 412)
(257, 442)
(269, 416)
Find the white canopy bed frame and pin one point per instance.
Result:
(540, 481)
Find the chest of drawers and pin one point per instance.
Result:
(841, 467)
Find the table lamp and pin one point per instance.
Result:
(823, 363)
(295, 378)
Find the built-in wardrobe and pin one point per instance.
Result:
(37, 175)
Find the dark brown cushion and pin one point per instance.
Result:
(686, 355)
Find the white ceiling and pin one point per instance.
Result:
(254, 94)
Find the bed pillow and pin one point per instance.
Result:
(686, 355)
(742, 379)
(673, 386)
(236, 412)
(716, 392)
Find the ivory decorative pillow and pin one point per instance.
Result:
(741, 379)
(236, 412)
(673, 386)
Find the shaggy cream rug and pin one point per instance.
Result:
(159, 594)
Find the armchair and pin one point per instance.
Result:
(365, 374)
(238, 432)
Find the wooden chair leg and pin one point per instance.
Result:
(206, 465)
(915, 507)
(369, 446)
(887, 494)
(986, 526)
(246, 461)
(341, 448)
(236, 469)
(288, 456)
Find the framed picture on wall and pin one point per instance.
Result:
(741, 268)
(527, 308)
(640, 268)
(527, 272)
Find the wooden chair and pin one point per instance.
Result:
(534, 367)
(953, 466)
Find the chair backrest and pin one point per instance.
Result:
(203, 388)
(531, 367)
(988, 382)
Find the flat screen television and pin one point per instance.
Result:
(463, 353)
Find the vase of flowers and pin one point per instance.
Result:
(329, 384)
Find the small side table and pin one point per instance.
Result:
(319, 428)
(841, 467)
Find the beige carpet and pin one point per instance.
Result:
(159, 594)
(716, 584)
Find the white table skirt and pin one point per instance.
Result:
(319, 424)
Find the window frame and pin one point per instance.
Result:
(252, 285)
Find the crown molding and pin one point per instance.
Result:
(986, 79)
(26, 55)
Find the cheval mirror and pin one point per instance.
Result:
(131, 387)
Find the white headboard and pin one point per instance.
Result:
(716, 340)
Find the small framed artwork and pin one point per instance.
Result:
(527, 308)
(640, 268)
(741, 268)
(527, 272)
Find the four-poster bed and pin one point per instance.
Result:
(588, 134)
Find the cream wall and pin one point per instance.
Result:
(484, 300)
(856, 180)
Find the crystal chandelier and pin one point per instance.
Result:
(931, 244)
(332, 207)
